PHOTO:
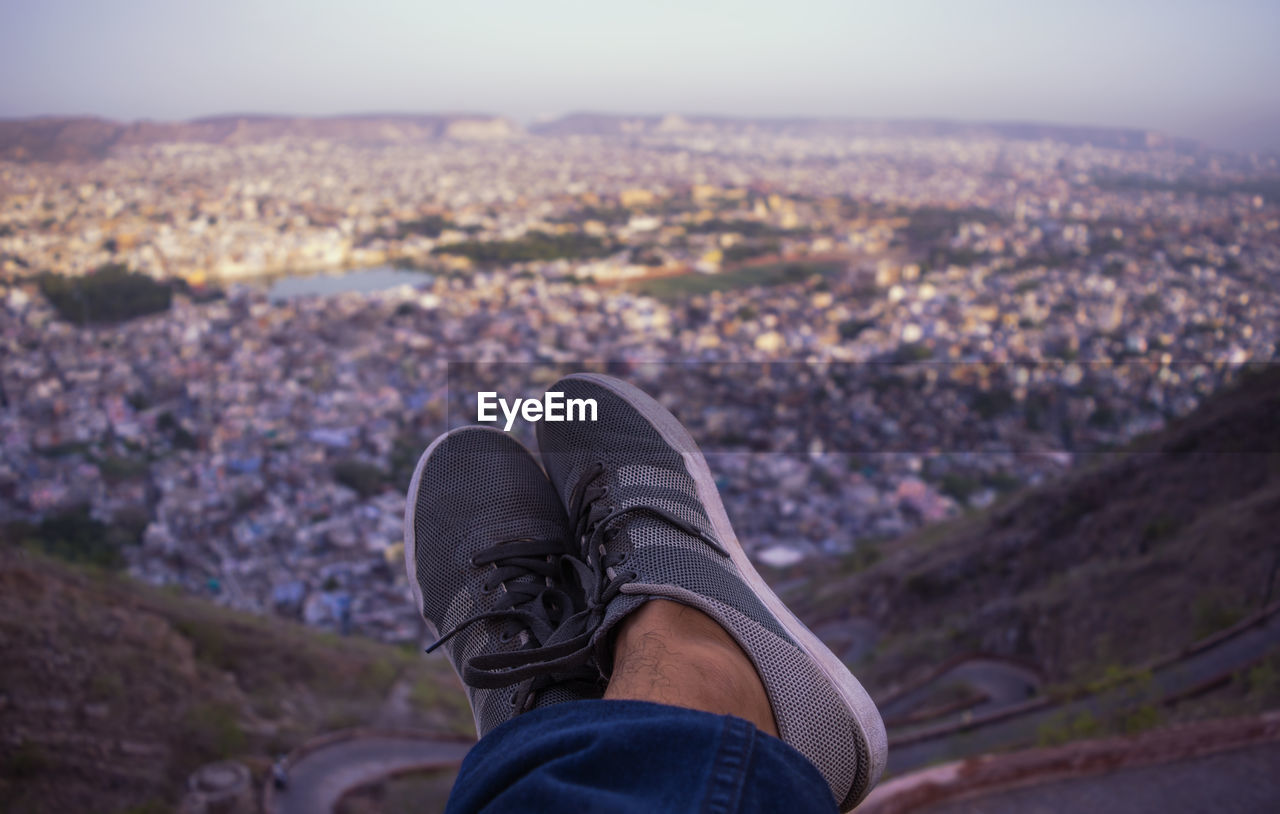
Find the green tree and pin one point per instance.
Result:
(112, 293)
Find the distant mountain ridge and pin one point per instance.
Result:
(589, 123)
(87, 138)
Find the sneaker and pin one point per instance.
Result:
(488, 552)
(650, 524)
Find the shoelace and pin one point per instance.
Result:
(558, 650)
(596, 524)
(556, 628)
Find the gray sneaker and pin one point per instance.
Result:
(650, 524)
(488, 552)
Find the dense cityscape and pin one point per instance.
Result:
(868, 333)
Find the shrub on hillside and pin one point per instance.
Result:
(74, 535)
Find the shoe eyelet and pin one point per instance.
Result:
(485, 588)
(511, 699)
(505, 637)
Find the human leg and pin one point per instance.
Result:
(644, 525)
(669, 653)
(634, 757)
(486, 548)
(649, 521)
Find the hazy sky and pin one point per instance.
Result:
(1206, 69)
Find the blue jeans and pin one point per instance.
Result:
(620, 757)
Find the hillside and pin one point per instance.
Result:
(111, 692)
(87, 138)
(603, 124)
(1134, 555)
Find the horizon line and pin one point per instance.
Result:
(545, 118)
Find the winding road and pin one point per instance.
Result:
(1242, 781)
(319, 778)
(995, 684)
(1202, 667)
(850, 639)
(322, 772)
(1224, 764)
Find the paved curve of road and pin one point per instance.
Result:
(319, 779)
(849, 639)
(1001, 684)
(1235, 653)
(1241, 781)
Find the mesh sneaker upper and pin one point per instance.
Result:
(642, 468)
(477, 487)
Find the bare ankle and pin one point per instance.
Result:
(673, 654)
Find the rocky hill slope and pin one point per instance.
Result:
(606, 124)
(1134, 555)
(87, 138)
(112, 693)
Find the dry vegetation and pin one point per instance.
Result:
(1133, 556)
(111, 692)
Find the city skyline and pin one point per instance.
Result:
(1177, 68)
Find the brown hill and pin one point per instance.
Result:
(84, 139)
(56, 139)
(88, 138)
(603, 124)
(112, 693)
(1132, 556)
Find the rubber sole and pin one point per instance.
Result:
(861, 707)
(410, 545)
